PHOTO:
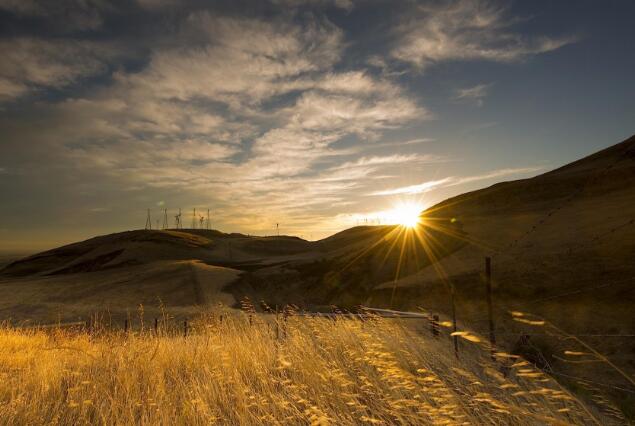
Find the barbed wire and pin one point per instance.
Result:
(571, 196)
(557, 296)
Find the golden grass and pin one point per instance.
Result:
(319, 371)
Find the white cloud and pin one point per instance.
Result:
(474, 94)
(465, 30)
(453, 181)
(31, 64)
(390, 160)
(413, 189)
(238, 61)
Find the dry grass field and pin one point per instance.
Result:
(304, 371)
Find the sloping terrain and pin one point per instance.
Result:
(180, 270)
(573, 225)
(562, 246)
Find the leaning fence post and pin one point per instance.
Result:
(490, 310)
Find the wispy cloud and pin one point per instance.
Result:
(391, 160)
(454, 181)
(466, 30)
(474, 94)
(31, 64)
(414, 189)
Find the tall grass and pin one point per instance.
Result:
(312, 371)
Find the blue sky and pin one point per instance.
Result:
(312, 114)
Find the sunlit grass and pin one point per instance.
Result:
(311, 371)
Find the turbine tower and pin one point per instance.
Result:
(148, 221)
(194, 219)
(208, 223)
(177, 220)
(165, 219)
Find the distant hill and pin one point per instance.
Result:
(179, 269)
(552, 233)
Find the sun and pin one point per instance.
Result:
(406, 215)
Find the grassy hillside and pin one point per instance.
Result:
(562, 246)
(313, 371)
(114, 274)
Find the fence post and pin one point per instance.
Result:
(490, 310)
(156, 326)
(185, 328)
(455, 337)
(434, 325)
(125, 325)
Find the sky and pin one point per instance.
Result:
(315, 115)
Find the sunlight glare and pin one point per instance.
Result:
(406, 214)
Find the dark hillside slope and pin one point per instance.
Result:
(562, 246)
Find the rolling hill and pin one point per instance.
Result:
(562, 246)
(557, 232)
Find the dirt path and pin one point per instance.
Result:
(209, 281)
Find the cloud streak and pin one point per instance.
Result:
(32, 64)
(465, 30)
(454, 181)
(474, 94)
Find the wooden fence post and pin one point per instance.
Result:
(455, 337)
(434, 325)
(156, 326)
(185, 328)
(490, 309)
(125, 325)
